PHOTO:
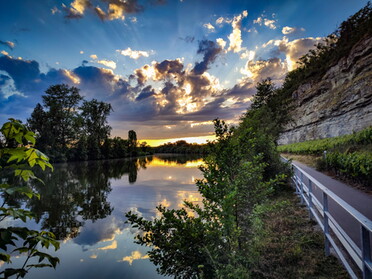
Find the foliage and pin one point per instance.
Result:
(209, 241)
(183, 147)
(69, 130)
(95, 127)
(336, 46)
(349, 156)
(285, 244)
(355, 165)
(317, 147)
(18, 156)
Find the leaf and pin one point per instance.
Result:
(25, 174)
(30, 136)
(39, 265)
(5, 258)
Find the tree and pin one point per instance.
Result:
(95, 127)
(58, 125)
(62, 102)
(132, 138)
(19, 158)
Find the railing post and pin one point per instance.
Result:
(366, 251)
(325, 223)
(302, 187)
(310, 199)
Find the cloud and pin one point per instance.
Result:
(209, 26)
(294, 49)
(291, 30)
(112, 246)
(107, 63)
(9, 44)
(114, 9)
(135, 255)
(210, 50)
(55, 10)
(94, 56)
(221, 42)
(273, 68)
(262, 20)
(135, 54)
(76, 9)
(222, 20)
(4, 52)
(235, 37)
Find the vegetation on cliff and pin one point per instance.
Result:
(349, 156)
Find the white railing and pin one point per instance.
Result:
(318, 205)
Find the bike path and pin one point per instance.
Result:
(361, 201)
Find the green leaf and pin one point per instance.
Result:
(30, 136)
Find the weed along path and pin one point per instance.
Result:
(361, 201)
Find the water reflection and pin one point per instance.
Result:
(84, 205)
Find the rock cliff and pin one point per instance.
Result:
(340, 103)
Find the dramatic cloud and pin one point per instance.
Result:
(210, 50)
(291, 30)
(273, 68)
(135, 54)
(235, 37)
(114, 9)
(293, 50)
(262, 20)
(9, 44)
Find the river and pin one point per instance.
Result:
(85, 203)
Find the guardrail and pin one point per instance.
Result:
(344, 246)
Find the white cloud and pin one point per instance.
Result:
(4, 52)
(265, 21)
(221, 42)
(81, 52)
(107, 63)
(135, 54)
(93, 56)
(291, 30)
(209, 26)
(235, 37)
(248, 54)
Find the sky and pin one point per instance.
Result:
(167, 67)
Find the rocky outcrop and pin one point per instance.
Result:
(340, 103)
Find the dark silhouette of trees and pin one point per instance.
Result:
(69, 130)
(95, 127)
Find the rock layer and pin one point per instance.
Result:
(340, 103)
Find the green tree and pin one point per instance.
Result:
(60, 122)
(95, 127)
(18, 156)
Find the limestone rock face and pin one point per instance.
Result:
(340, 103)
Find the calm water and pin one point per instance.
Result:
(84, 205)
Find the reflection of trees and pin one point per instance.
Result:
(76, 192)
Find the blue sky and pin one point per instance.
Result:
(167, 67)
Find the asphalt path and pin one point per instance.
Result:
(361, 201)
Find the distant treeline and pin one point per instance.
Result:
(70, 128)
(182, 147)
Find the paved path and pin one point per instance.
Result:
(354, 197)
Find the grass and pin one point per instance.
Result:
(286, 244)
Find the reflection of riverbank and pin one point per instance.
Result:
(84, 204)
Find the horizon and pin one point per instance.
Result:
(168, 68)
